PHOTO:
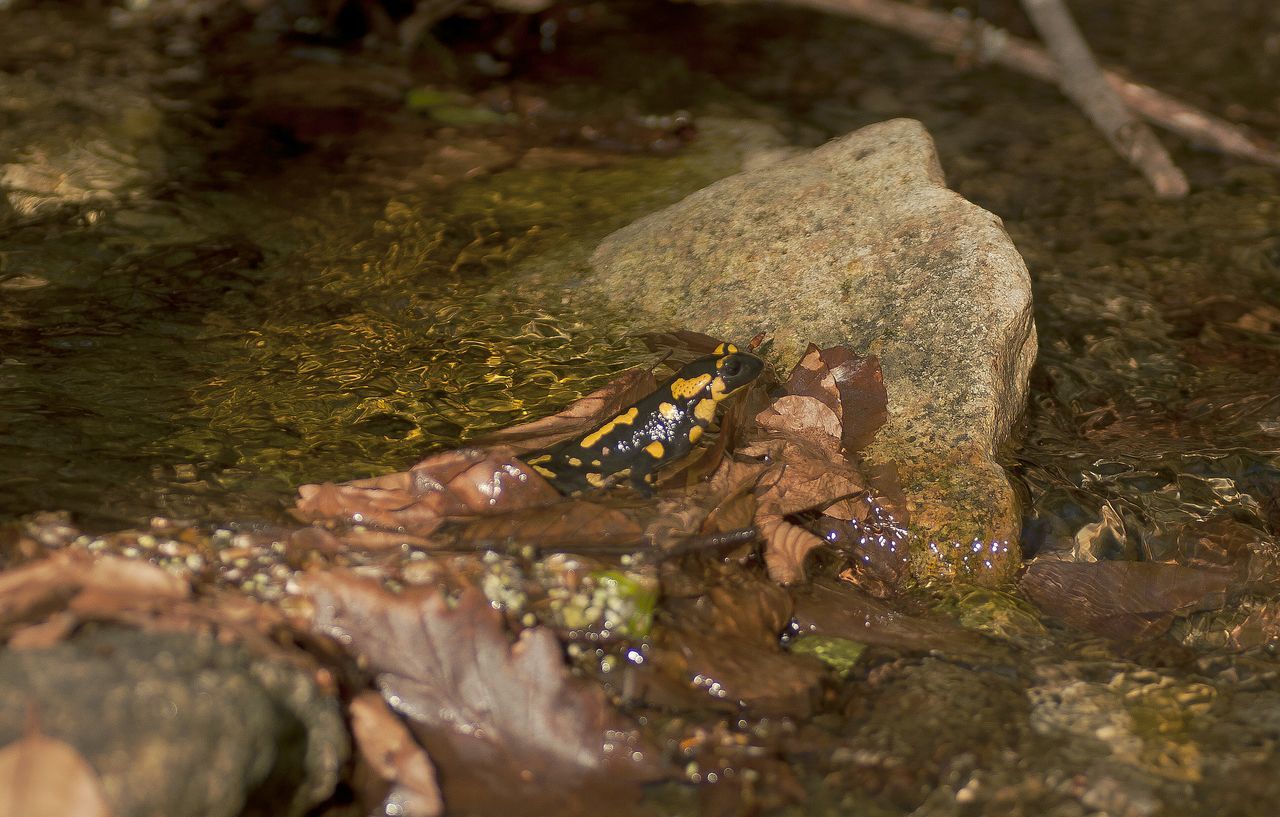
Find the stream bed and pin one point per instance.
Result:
(289, 259)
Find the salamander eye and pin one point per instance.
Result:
(732, 368)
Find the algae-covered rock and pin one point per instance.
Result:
(860, 242)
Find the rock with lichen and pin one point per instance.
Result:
(860, 242)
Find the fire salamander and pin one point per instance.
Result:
(658, 429)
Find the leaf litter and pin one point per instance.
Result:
(483, 696)
(510, 727)
(449, 588)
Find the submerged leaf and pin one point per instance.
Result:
(559, 526)
(1130, 600)
(30, 593)
(720, 648)
(833, 609)
(680, 345)
(509, 727)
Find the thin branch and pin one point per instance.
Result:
(986, 43)
(1081, 79)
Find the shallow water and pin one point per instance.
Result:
(315, 299)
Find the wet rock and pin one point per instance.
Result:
(180, 725)
(859, 242)
(1129, 733)
(931, 725)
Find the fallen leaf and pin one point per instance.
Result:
(833, 609)
(786, 546)
(578, 417)
(878, 545)
(864, 403)
(463, 482)
(392, 756)
(35, 591)
(508, 726)
(44, 777)
(808, 417)
(1128, 600)
(720, 649)
(681, 345)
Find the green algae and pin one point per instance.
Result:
(840, 654)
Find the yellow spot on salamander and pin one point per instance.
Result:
(546, 472)
(538, 459)
(624, 419)
(725, 348)
(695, 433)
(705, 410)
(683, 389)
(655, 450)
(668, 411)
(717, 389)
(596, 463)
(575, 462)
(595, 480)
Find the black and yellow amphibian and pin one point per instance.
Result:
(658, 429)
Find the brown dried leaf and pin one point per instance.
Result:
(864, 403)
(803, 477)
(734, 510)
(786, 546)
(463, 482)
(811, 378)
(720, 648)
(578, 417)
(392, 756)
(509, 727)
(44, 777)
(806, 417)
(849, 385)
(36, 590)
(1128, 600)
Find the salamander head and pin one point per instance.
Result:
(733, 371)
(716, 376)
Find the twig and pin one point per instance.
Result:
(1082, 81)
(975, 38)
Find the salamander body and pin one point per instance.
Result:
(656, 430)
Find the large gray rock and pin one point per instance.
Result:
(860, 242)
(175, 724)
